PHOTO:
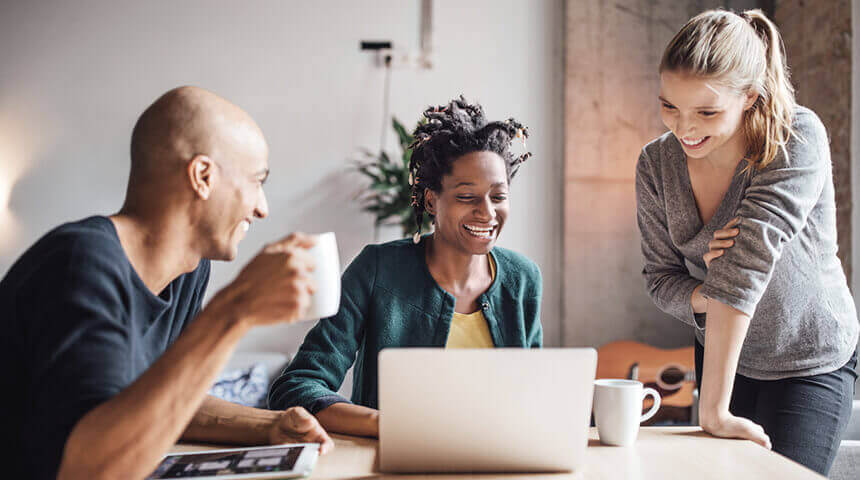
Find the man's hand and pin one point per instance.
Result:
(275, 286)
(296, 425)
(729, 426)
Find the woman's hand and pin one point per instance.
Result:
(727, 328)
(726, 425)
(723, 239)
(350, 419)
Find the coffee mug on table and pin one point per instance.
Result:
(325, 301)
(618, 409)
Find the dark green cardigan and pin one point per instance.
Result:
(389, 299)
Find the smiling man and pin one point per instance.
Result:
(104, 337)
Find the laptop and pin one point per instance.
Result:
(484, 410)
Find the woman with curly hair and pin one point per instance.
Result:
(452, 288)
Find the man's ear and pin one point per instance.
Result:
(430, 201)
(201, 173)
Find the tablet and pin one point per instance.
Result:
(275, 461)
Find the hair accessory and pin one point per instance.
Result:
(521, 133)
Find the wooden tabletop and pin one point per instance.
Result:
(662, 453)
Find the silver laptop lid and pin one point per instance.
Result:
(487, 410)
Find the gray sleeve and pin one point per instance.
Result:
(669, 283)
(773, 211)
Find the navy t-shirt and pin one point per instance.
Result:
(78, 326)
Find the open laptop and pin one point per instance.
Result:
(487, 410)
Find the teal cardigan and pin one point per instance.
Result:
(389, 299)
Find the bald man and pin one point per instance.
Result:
(109, 353)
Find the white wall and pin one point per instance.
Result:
(74, 76)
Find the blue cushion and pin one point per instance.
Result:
(245, 386)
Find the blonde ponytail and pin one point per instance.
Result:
(744, 52)
(767, 126)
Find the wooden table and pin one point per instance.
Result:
(661, 453)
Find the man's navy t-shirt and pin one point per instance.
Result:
(78, 326)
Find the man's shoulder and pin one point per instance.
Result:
(92, 240)
(94, 232)
(70, 250)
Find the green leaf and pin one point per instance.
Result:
(384, 158)
(368, 171)
(389, 196)
(402, 134)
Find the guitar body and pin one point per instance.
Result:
(670, 372)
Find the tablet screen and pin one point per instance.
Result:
(229, 462)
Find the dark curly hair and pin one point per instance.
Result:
(449, 132)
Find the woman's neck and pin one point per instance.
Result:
(454, 269)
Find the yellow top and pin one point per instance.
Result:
(470, 330)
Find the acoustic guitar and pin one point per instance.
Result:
(670, 372)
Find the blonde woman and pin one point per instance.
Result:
(742, 187)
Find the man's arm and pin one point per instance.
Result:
(220, 421)
(126, 436)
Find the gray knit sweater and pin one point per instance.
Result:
(782, 270)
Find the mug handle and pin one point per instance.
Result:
(655, 407)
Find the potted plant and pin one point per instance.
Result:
(389, 195)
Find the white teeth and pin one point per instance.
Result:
(481, 232)
(245, 225)
(692, 142)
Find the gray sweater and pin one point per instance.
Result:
(782, 270)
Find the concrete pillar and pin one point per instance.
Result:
(611, 111)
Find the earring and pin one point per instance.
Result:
(417, 237)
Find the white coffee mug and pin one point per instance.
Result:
(618, 409)
(325, 301)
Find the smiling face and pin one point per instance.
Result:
(704, 115)
(240, 170)
(472, 206)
